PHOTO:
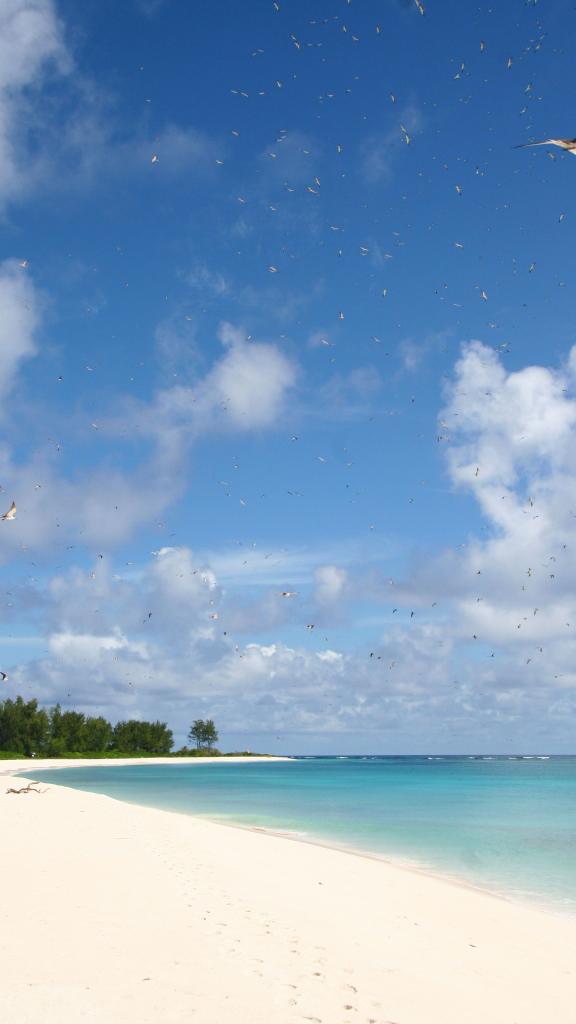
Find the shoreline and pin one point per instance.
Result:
(13, 766)
(397, 862)
(121, 912)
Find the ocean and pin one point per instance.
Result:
(504, 824)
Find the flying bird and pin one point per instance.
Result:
(11, 513)
(4, 676)
(569, 144)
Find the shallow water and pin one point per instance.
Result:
(505, 824)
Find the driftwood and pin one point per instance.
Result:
(26, 789)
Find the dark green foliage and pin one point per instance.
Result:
(197, 752)
(23, 727)
(26, 729)
(66, 731)
(97, 735)
(150, 737)
(204, 733)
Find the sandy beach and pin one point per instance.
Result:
(128, 915)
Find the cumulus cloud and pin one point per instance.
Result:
(158, 641)
(251, 380)
(246, 389)
(479, 651)
(506, 601)
(507, 423)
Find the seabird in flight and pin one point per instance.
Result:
(569, 144)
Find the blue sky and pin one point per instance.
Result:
(284, 310)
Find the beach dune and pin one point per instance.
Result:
(118, 913)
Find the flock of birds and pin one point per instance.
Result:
(568, 145)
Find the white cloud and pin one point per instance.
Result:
(245, 389)
(330, 583)
(19, 320)
(251, 380)
(160, 642)
(102, 506)
(73, 137)
(512, 445)
(507, 422)
(99, 507)
(87, 649)
(31, 48)
(30, 36)
(487, 658)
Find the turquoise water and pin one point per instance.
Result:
(505, 824)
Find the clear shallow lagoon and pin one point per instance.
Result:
(505, 824)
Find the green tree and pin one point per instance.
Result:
(72, 726)
(97, 735)
(196, 732)
(67, 731)
(161, 738)
(24, 728)
(147, 737)
(204, 733)
(128, 736)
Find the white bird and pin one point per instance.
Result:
(289, 593)
(569, 144)
(11, 513)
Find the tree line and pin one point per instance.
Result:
(26, 728)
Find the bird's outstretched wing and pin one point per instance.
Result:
(527, 145)
(562, 143)
(11, 513)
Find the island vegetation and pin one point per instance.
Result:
(30, 730)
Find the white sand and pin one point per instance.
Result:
(116, 913)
